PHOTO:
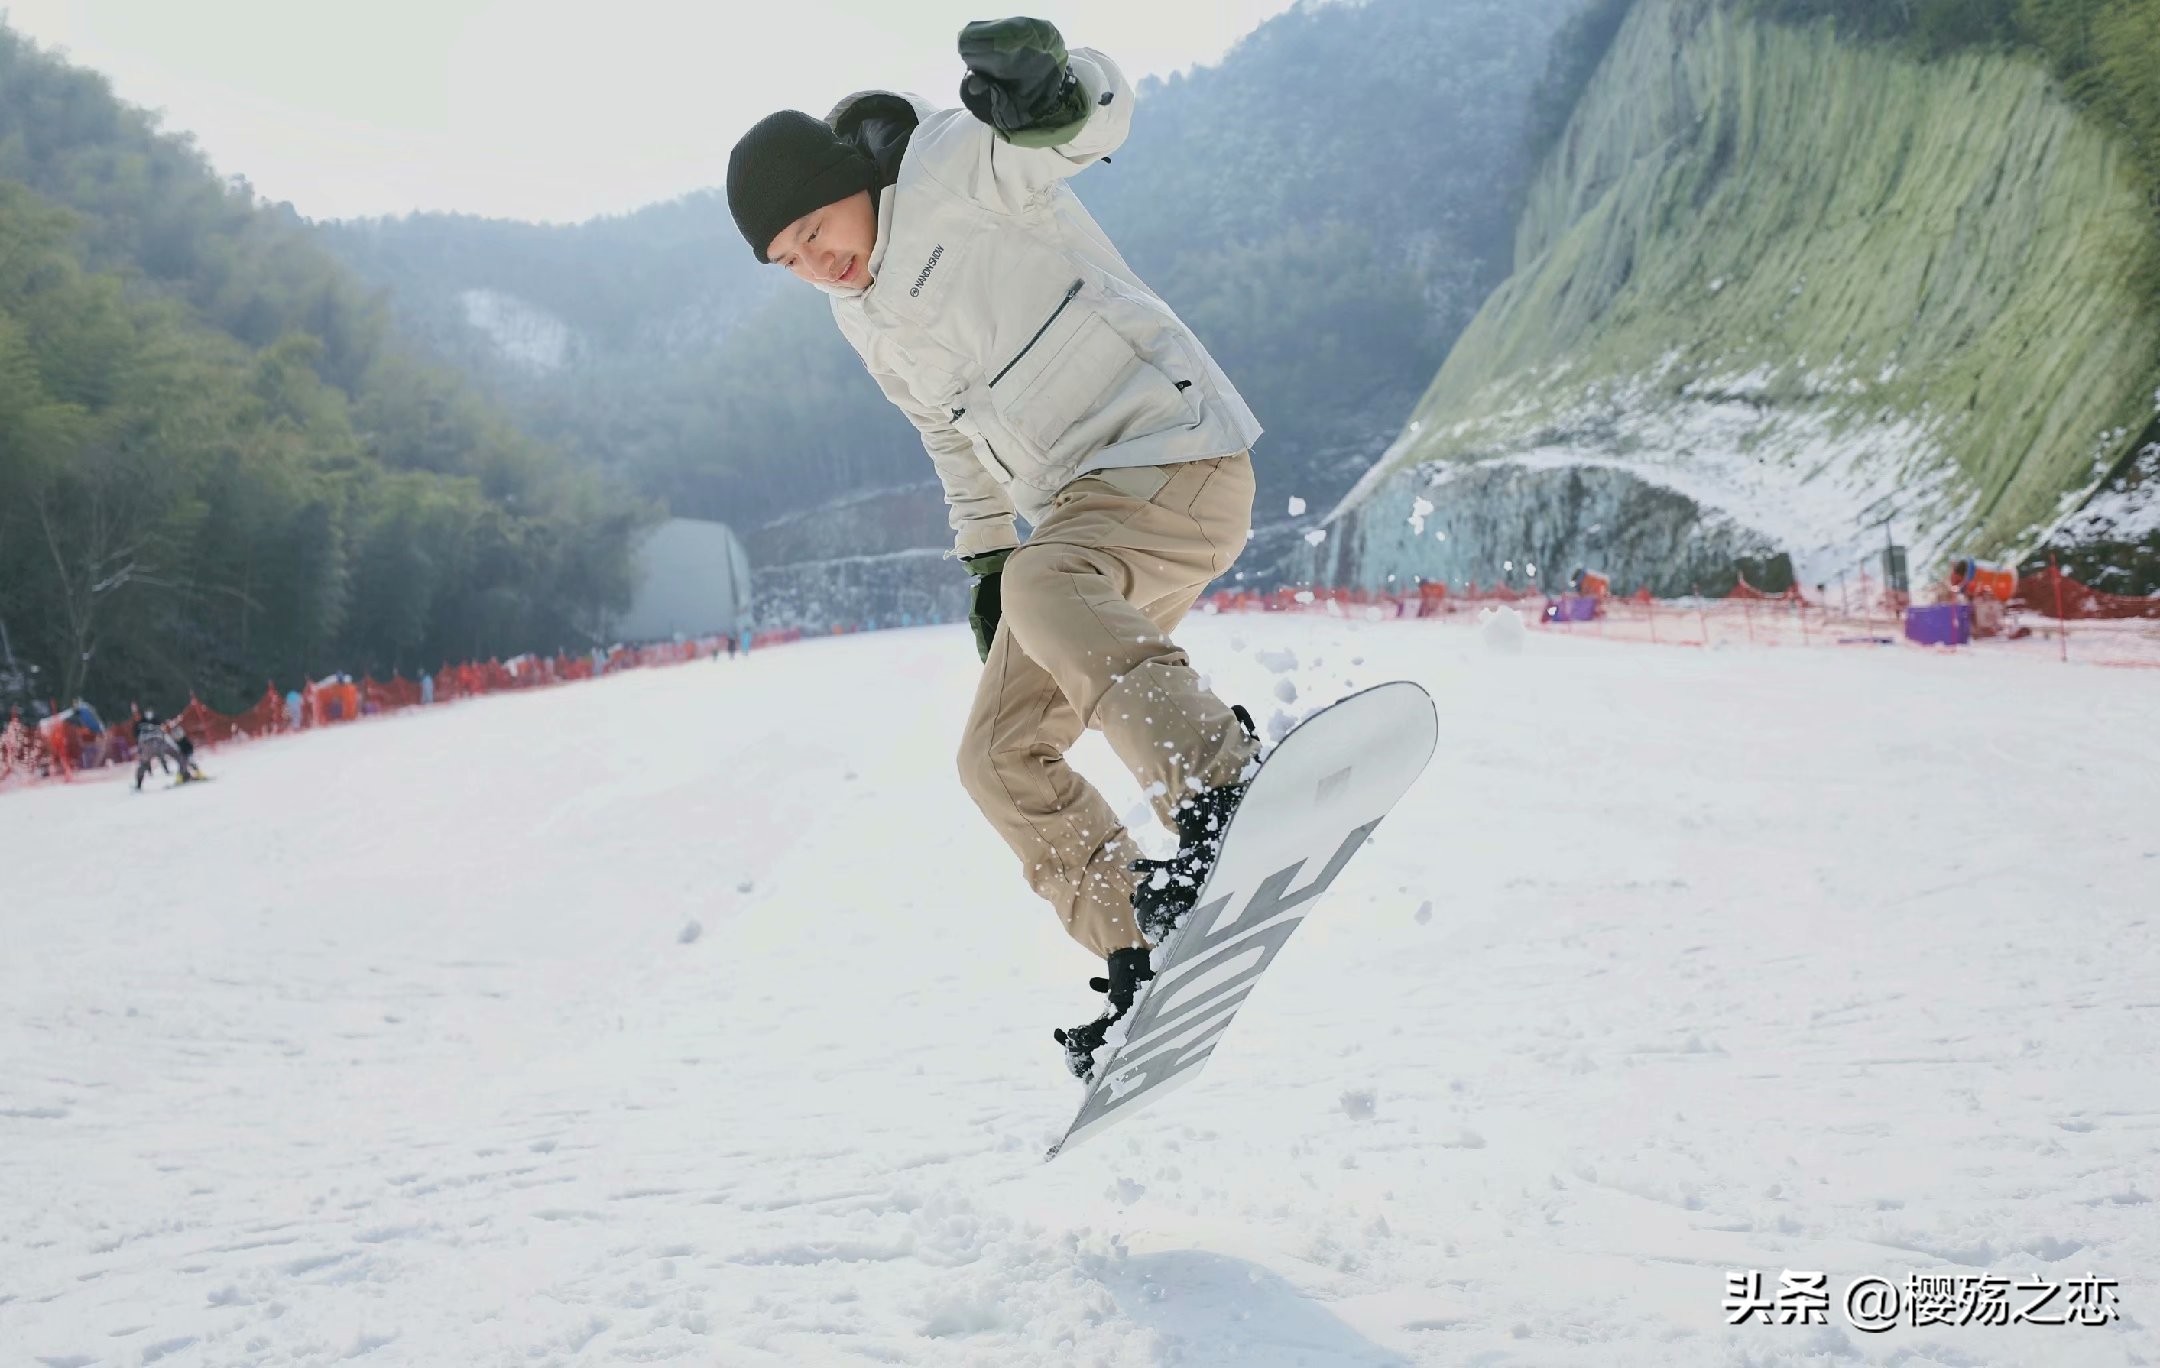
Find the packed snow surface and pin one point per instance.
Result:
(694, 1016)
(1503, 629)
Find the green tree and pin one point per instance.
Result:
(217, 464)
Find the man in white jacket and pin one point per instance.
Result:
(1050, 383)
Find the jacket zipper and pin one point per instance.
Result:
(1070, 291)
(956, 415)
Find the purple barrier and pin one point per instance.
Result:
(1939, 624)
(1572, 608)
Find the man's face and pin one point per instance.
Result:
(830, 246)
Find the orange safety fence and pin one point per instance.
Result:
(2056, 595)
(54, 748)
(24, 752)
(2115, 630)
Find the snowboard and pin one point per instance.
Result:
(1316, 798)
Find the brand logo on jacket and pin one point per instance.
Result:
(927, 268)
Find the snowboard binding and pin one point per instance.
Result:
(1169, 888)
(1127, 970)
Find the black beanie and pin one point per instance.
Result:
(787, 165)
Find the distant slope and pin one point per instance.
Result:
(1783, 287)
(656, 282)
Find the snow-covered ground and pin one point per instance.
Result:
(694, 1016)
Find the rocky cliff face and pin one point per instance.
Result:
(1772, 291)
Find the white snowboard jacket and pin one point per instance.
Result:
(1012, 334)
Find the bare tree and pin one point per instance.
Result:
(103, 525)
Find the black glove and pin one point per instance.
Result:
(983, 598)
(1018, 80)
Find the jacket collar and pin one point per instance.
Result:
(854, 110)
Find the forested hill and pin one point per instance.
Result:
(218, 465)
(1327, 207)
(520, 302)
(1800, 274)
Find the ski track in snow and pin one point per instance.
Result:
(390, 1047)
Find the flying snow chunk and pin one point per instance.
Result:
(1423, 913)
(1277, 662)
(1297, 506)
(1359, 1104)
(1285, 690)
(1503, 629)
(691, 930)
(1316, 536)
(1140, 823)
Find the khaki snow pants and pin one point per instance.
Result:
(1087, 606)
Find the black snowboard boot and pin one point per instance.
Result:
(1168, 889)
(1128, 969)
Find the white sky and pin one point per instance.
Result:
(542, 109)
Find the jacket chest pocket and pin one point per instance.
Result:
(1080, 385)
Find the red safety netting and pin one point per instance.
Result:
(24, 754)
(55, 747)
(1748, 615)
(1859, 611)
(1744, 590)
(2116, 630)
(2056, 595)
(339, 699)
(215, 728)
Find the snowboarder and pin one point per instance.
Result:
(185, 744)
(1048, 382)
(134, 734)
(153, 742)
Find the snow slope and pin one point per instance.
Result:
(693, 1016)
